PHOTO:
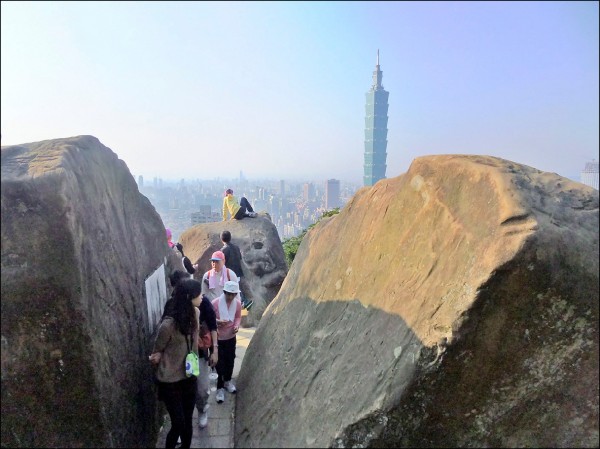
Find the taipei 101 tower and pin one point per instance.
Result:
(376, 129)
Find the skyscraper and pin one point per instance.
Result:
(332, 194)
(376, 129)
(308, 191)
(282, 188)
(589, 175)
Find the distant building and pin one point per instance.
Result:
(332, 194)
(282, 188)
(308, 191)
(589, 175)
(203, 215)
(376, 130)
(140, 181)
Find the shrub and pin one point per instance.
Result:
(291, 245)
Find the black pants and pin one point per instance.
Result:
(179, 398)
(226, 361)
(244, 206)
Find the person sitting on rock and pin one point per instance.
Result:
(236, 210)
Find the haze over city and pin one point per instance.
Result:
(201, 90)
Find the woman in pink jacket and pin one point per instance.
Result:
(228, 309)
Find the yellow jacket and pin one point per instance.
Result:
(231, 205)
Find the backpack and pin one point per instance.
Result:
(208, 276)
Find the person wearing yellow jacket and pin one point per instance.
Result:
(237, 210)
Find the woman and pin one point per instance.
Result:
(228, 309)
(235, 209)
(177, 335)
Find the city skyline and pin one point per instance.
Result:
(292, 206)
(276, 89)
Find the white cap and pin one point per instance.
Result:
(231, 287)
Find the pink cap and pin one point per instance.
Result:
(217, 255)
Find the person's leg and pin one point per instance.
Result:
(172, 397)
(221, 364)
(246, 303)
(229, 358)
(241, 213)
(242, 296)
(245, 203)
(202, 386)
(188, 401)
(220, 395)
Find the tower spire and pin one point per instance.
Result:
(377, 74)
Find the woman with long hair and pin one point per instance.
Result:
(177, 335)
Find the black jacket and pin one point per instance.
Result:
(233, 258)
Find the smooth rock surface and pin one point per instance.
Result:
(78, 243)
(453, 306)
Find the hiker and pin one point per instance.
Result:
(233, 260)
(235, 209)
(177, 335)
(228, 309)
(187, 263)
(169, 237)
(207, 344)
(214, 279)
(209, 356)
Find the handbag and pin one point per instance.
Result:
(192, 362)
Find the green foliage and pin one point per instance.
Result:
(291, 245)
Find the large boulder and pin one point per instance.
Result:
(83, 283)
(453, 306)
(263, 259)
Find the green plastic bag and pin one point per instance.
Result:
(192, 364)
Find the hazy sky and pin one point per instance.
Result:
(277, 89)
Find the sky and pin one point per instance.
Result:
(204, 90)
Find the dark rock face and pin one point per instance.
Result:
(453, 306)
(263, 259)
(78, 242)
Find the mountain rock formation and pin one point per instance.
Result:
(453, 306)
(263, 259)
(79, 243)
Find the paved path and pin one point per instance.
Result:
(219, 432)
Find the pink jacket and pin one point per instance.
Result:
(225, 332)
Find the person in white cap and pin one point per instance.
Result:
(228, 309)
